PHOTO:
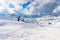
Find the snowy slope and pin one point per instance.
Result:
(13, 30)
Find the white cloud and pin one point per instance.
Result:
(10, 10)
(39, 4)
(16, 3)
(56, 9)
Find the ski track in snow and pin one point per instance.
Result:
(13, 30)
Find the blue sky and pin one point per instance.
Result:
(34, 8)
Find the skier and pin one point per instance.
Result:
(18, 18)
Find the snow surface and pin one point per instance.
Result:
(18, 30)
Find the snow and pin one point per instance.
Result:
(47, 27)
(18, 30)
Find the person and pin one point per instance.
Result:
(18, 18)
(49, 23)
